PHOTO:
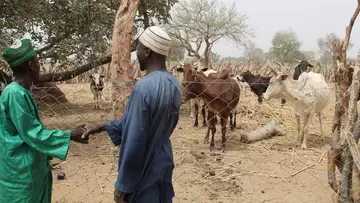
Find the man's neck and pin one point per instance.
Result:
(155, 66)
(24, 80)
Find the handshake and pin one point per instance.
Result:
(82, 132)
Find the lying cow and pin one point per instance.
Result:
(96, 86)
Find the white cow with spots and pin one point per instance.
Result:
(308, 95)
(96, 86)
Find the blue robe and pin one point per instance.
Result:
(146, 160)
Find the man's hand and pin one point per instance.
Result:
(94, 129)
(119, 197)
(77, 132)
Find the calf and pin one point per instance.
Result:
(221, 94)
(96, 86)
(258, 84)
(308, 95)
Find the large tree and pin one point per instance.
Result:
(77, 33)
(325, 46)
(177, 51)
(285, 46)
(201, 23)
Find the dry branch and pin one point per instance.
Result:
(352, 116)
(268, 131)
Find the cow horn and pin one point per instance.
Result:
(309, 61)
(297, 60)
(179, 61)
(272, 69)
(279, 64)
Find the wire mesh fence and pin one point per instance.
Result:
(271, 170)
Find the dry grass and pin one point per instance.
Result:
(272, 170)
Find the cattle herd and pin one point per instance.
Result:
(218, 93)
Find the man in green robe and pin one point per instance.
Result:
(26, 145)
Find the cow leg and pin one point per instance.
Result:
(231, 120)
(203, 112)
(223, 121)
(321, 128)
(209, 120)
(298, 129)
(191, 103)
(307, 121)
(235, 117)
(196, 124)
(211, 115)
(99, 100)
(95, 101)
(260, 99)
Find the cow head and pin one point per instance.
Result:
(245, 75)
(96, 81)
(189, 81)
(276, 86)
(302, 67)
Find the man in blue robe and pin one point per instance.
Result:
(146, 160)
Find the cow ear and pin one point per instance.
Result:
(180, 70)
(284, 77)
(310, 65)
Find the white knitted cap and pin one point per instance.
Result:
(156, 39)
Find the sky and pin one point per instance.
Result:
(310, 19)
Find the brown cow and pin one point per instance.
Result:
(220, 93)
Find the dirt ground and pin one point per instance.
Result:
(272, 170)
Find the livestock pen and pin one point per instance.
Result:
(272, 170)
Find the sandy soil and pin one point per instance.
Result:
(272, 170)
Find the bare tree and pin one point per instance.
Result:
(252, 53)
(205, 22)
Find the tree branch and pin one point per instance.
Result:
(67, 75)
(348, 33)
(54, 42)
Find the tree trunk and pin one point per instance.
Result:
(268, 131)
(121, 53)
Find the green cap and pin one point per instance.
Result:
(19, 53)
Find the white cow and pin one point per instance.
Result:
(96, 86)
(308, 95)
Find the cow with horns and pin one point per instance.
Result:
(220, 93)
(96, 86)
(308, 95)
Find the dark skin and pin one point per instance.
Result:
(149, 61)
(28, 73)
